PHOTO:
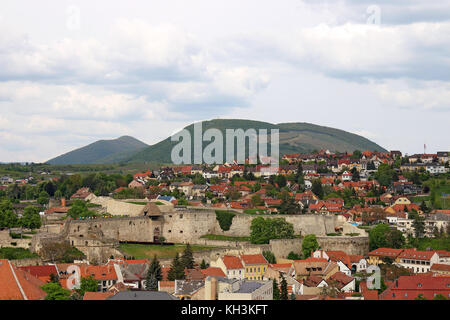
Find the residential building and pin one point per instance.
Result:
(417, 261)
(255, 266)
(379, 256)
(231, 266)
(410, 287)
(234, 289)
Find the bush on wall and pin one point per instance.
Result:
(225, 219)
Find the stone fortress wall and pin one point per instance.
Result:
(99, 238)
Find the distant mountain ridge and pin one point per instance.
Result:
(294, 138)
(102, 151)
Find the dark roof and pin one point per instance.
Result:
(188, 287)
(142, 295)
(249, 286)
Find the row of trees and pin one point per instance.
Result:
(9, 219)
(176, 272)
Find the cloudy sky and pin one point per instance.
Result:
(73, 72)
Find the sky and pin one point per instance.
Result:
(74, 72)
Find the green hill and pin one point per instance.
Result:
(294, 138)
(103, 151)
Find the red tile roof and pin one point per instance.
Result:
(17, 284)
(386, 252)
(409, 287)
(106, 272)
(213, 272)
(417, 255)
(232, 262)
(97, 295)
(252, 259)
(440, 267)
(41, 272)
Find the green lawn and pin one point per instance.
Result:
(143, 251)
(138, 203)
(224, 238)
(254, 211)
(433, 243)
(16, 254)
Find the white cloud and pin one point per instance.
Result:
(427, 96)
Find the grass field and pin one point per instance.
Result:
(143, 251)
(16, 254)
(138, 203)
(224, 238)
(254, 211)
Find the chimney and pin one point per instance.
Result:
(63, 202)
(210, 288)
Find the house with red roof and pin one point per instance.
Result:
(81, 194)
(418, 261)
(105, 275)
(340, 257)
(379, 255)
(231, 266)
(255, 266)
(410, 287)
(213, 272)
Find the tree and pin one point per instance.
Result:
(31, 218)
(53, 278)
(44, 198)
(55, 291)
(187, 259)
(331, 290)
(151, 284)
(204, 265)
(256, 200)
(419, 226)
(8, 219)
(284, 289)
(317, 188)
(276, 290)
(420, 297)
(80, 209)
(176, 271)
(154, 274)
(270, 257)
(281, 181)
(384, 236)
(264, 230)
(87, 284)
(439, 297)
(385, 174)
(309, 245)
(289, 206)
(293, 256)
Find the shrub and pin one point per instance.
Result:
(225, 219)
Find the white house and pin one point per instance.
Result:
(231, 266)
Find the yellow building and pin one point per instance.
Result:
(255, 265)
